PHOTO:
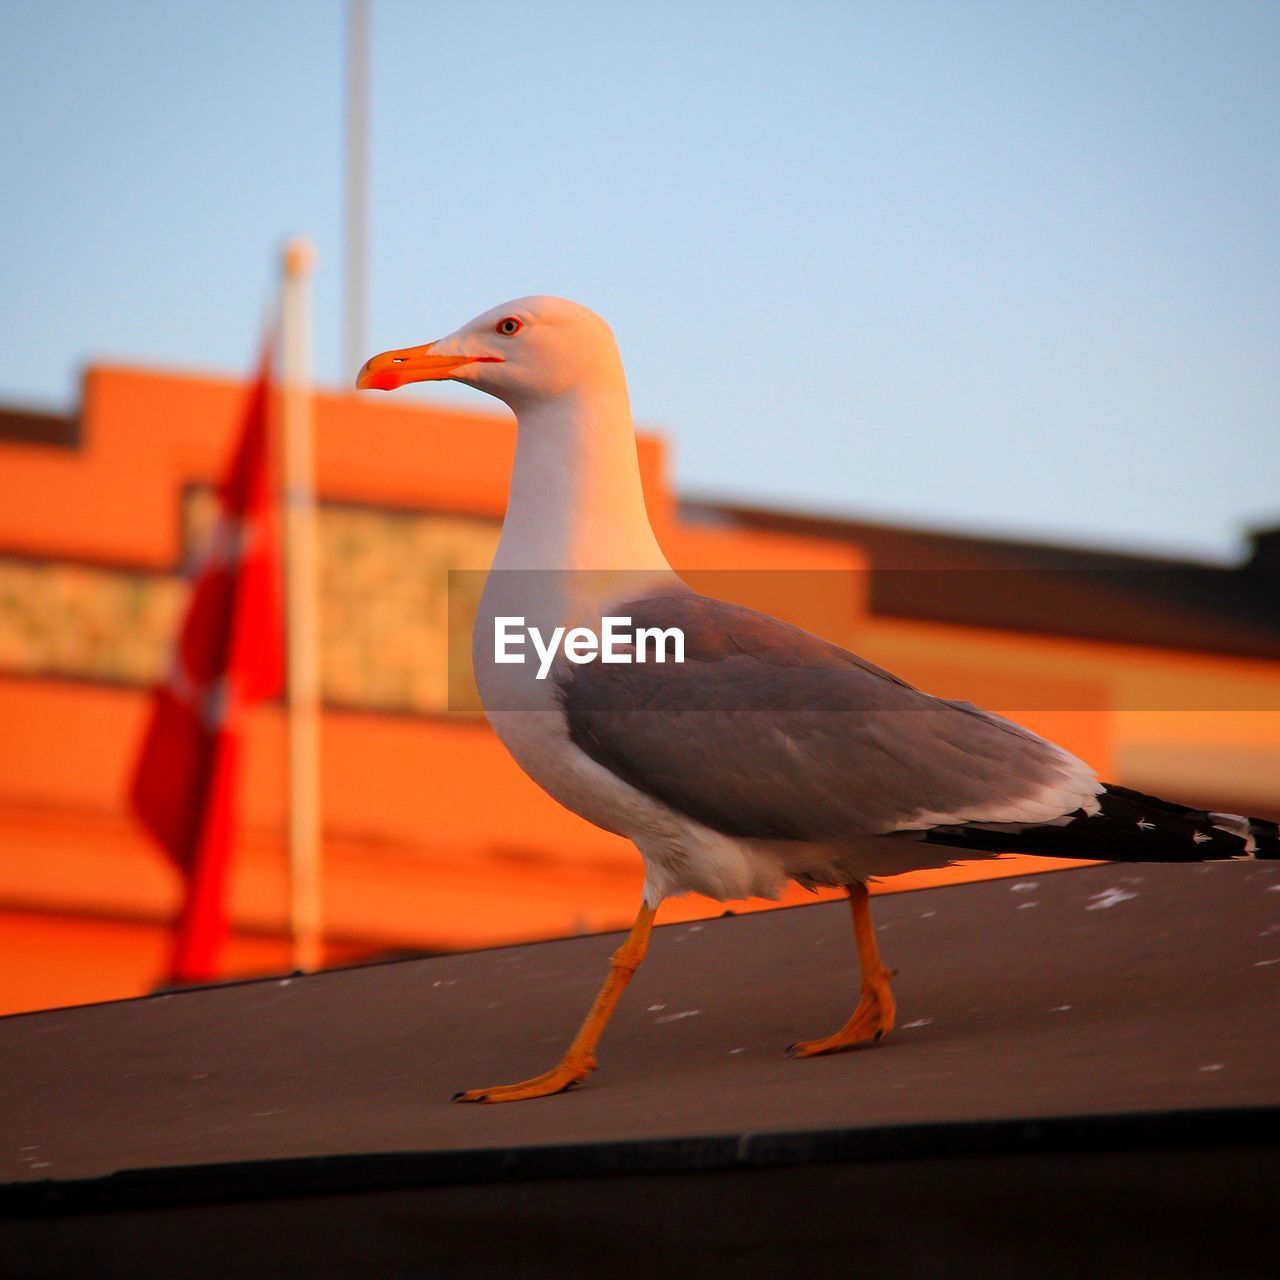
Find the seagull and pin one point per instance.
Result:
(745, 752)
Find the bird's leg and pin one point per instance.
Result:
(874, 1015)
(581, 1055)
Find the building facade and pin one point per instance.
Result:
(1163, 675)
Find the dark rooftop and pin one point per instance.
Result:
(1046, 588)
(31, 426)
(1111, 989)
(1111, 1009)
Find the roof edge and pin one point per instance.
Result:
(184, 1185)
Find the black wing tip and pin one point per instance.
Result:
(1129, 826)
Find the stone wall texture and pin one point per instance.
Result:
(388, 638)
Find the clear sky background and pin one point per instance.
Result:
(1007, 266)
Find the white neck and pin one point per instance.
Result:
(576, 499)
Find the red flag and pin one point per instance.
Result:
(229, 655)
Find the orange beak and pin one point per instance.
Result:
(394, 369)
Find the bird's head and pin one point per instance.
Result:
(532, 349)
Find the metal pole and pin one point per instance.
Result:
(356, 267)
(301, 610)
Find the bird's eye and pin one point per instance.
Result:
(509, 326)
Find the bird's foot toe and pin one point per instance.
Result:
(837, 1043)
(871, 1021)
(550, 1082)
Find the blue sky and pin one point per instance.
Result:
(1010, 266)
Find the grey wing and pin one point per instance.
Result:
(767, 732)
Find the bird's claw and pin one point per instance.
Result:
(558, 1080)
(871, 1020)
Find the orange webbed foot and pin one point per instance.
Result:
(557, 1080)
(872, 1019)
(544, 1086)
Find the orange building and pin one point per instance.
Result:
(1164, 675)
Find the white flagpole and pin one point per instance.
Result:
(301, 613)
(357, 186)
